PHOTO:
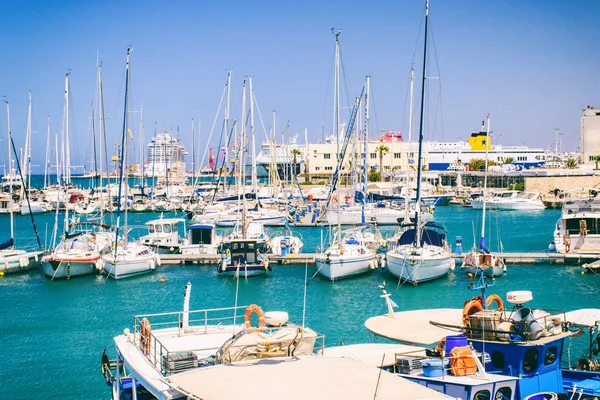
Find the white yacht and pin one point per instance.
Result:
(576, 231)
(510, 200)
(129, 259)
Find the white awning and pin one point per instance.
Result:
(414, 327)
(312, 377)
(585, 316)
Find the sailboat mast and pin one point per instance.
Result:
(227, 160)
(243, 162)
(122, 158)
(9, 173)
(102, 129)
(193, 153)
(485, 176)
(27, 162)
(365, 139)
(47, 154)
(422, 118)
(411, 112)
(254, 171)
(336, 124)
(67, 145)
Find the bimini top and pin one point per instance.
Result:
(298, 378)
(586, 316)
(203, 225)
(414, 327)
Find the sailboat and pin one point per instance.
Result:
(347, 255)
(11, 259)
(421, 253)
(127, 259)
(243, 252)
(481, 258)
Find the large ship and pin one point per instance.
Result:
(165, 158)
(444, 156)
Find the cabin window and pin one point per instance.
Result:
(530, 360)
(550, 355)
(498, 359)
(482, 395)
(504, 393)
(150, 229)
(158, 228)
(250, 246)
(167, 228)
(235, 246)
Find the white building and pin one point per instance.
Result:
(590, 134)
(166, 156)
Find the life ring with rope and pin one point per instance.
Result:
(145, 335)
(471, 307)
(494, 298)
(254, 308)
(441, 346)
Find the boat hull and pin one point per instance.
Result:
(120, 269)
(60, 269)
(20, 262)
(412, 268)
(246, 270)
(336, 268)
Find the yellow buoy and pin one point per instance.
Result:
(163, 280)
(1, 273)
(582, 272)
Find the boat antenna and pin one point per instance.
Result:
(305, 289)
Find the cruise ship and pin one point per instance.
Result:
(165, 156)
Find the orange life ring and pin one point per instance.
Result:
(494, 297)
(441, 346)
(145, 334)
(253, 308)
(471, 307)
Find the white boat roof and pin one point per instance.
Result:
(161, 221)
(585, 316)
(298, 378)
(413, 327)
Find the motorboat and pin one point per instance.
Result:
(202, 239)
(221, 354)
(576, 231)
(163, 235)
(129, 259)
(510, 200)
(243, 257)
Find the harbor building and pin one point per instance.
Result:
(590, 134)
(165, 158)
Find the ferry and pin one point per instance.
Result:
(455, 156)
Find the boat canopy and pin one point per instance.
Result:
(428, 236)
(9, 243)
(586, 316)
(414, 327)
(329, 377)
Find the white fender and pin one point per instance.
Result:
(151, 264)
(23, 262)
(452, 264)
(158, 261)
(100, 264)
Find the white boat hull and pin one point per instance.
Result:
(15, 261)
(58, 269)
(416, 268)
(339, 267)
(129, 263)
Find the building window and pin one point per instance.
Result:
(522, 158)
(327, 156)
(373, 155)
(411, 155)
(550, 355)
(530, 360)
(397, 155)
(328, 168)
(591, 158)
(386, 167)
(317, 168)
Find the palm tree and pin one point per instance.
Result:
(509, 160)
(571, 163)
(596, 160)
(476, 164)
(295, 153)
(381, 149)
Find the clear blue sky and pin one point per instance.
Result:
(532, 65)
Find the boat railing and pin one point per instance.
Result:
(198, 321)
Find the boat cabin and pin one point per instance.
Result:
(202, 239)
(163, 234)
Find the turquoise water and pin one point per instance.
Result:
(53, 332)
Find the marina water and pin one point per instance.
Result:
(54, 332)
